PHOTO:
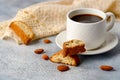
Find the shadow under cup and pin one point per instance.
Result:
(92, 33)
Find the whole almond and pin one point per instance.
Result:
(39, 51)
(45, 57)
(47, 41)
(62, 68)
(106, 67)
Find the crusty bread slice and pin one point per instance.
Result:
(23, 31)
(73, 47)
(69, 60)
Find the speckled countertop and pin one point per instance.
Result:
(18, 62)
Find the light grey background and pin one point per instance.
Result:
(18, 62)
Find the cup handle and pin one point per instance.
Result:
(111, 20)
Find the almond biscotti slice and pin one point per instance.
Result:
(69, 60)
(23, 31)
(73, 47)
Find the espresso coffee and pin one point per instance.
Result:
(86, 18)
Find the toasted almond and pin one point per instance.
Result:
(62, 68)
(45, 57)
(47, 41)
(106, 67)
(39, 51)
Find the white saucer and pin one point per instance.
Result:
(110, 42)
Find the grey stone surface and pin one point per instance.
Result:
(18, 62)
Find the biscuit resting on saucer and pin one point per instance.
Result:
(73, 47)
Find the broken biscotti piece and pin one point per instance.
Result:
(73, 47)
(58, 57)
(23, 31)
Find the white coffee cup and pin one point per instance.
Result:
(93, 34)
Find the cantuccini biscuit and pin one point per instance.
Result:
(69, 60)
(73, 47)
(22, 30)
